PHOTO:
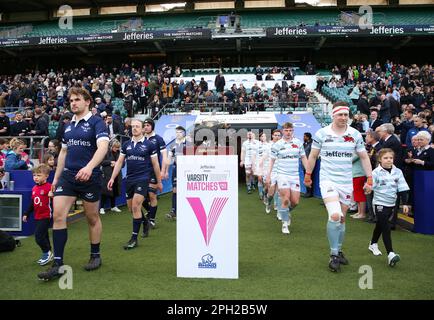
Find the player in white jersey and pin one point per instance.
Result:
(258, 168)
(271, 187)
(288, 151)
(248, 149)
(336, 144)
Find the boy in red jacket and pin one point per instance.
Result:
(41, 206)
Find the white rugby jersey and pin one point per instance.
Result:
(336, 153)
(288, 154)
(260, 152)
(387, 185)
(266, 157)
(249, 147)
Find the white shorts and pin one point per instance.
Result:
(287, 182)
(273, 178)
(248, 167)
(331, 189)
(258, 171)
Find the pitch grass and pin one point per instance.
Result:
(271, 265)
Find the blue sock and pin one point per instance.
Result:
(152, 212)
(284, 213)
(94, 249)
(341, 236)
(174, 202)
(278, 203)
(136, 228)
(333, 232)
(60, 236)
(260, 190)
(275, 199)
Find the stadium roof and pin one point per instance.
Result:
(31, 5)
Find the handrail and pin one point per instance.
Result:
(31, 144)
(279, 106)
(158, 113)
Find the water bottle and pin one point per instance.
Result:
(11, 185)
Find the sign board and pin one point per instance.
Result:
(207, 216)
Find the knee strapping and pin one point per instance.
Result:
(333, 209)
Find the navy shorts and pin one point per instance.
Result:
(139, 187)
(152, 180)
(89, 191)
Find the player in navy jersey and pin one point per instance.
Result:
(176, 149)
(84, 145)
(160, 145)
(142, 165)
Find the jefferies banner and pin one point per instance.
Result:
(109, 37)
(207, 216)
(280, 32)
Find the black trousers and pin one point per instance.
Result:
(104, 200)
(41, 234)
(382, 226)
(144, 104)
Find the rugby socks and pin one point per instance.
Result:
(60, 236)
(136, 228)
(94, 250)
(278, 201)
(284, 213)
(269, 199)
(260, 189)
(174, 202)
(146, 204)
(152, 213)
(333, 232)
(341, 236)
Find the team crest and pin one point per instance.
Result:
(294, 146)
(348, 138)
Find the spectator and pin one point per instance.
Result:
(310, 68)
(418, 127)
(374, 122)
(391, 141)
(424, 158)
(107, 166)
(405, 125)
(50, 161)
(19, 127)
(220, 82)
(4, 145)
(5, 126)
(14, 161)
(359, 180)
(373, 146)
(113, 127)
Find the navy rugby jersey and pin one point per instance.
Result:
(138, 156)
(81, 138)
(159, 144)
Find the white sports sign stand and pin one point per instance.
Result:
(207, 216)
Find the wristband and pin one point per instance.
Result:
(308, 174)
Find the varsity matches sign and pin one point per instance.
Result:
(207, 216)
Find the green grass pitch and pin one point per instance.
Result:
(271, 265)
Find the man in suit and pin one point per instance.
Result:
(374, 122)
(113, 127)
